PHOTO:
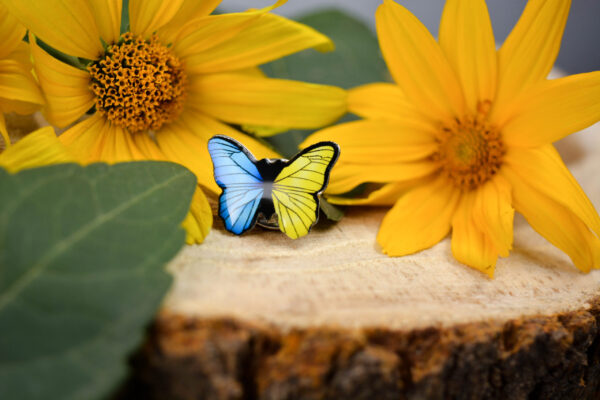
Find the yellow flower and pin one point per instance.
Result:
(464, 136)
(19, 91)
(161, 89)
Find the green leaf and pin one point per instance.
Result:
(355, 61)
(333, 213)
(82, 255)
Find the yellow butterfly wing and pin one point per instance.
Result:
(296, 189)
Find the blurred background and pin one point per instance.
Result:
(580, 50)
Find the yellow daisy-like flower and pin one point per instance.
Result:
(464, 136)
(161, 89)
(19, 91)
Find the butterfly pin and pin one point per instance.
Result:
(276, 193)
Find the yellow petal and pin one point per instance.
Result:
(467, 38)
(6, 143)
(379, 141)
(17, 86)
(147, 16)
(420, 219)
(183, 146)
(206, 127)
(542, 169)
(268, 37)
(96, 139)
(345, 177)
(18, 107)
(68, 26)
(242, 99)
(255, 72)
(493, 214)
(108, 18)
(11, 32)
(205, 33)
(552, 110)
(386, 195)
(194, 8)
(555, 222)
(199, 219)
(189, 10)
(417, 62)
(186, 142)
(22, 55)
(17, 83)
(384, 101)
(194, 35)
(261, 130)
(148, 147)
(84, 140)
(36, 149)
(529, 52)
(117, 145)
(470, 245)
(4, 132)
(65, 87)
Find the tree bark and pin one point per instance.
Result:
(543, 357)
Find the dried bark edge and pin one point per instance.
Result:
(540, 357)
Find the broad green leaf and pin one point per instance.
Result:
(82, 255)
(356, 61)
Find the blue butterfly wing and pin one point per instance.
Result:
(240, 180)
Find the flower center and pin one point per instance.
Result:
(139, 84)
(470, 151)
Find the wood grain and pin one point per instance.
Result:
(337, 276)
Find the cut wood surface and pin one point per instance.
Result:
(329, 316)
(338, 276)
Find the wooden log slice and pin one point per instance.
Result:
(329, 316)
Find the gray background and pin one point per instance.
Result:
(580, 50)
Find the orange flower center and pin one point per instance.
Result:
(139, 84)
(470, 151)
